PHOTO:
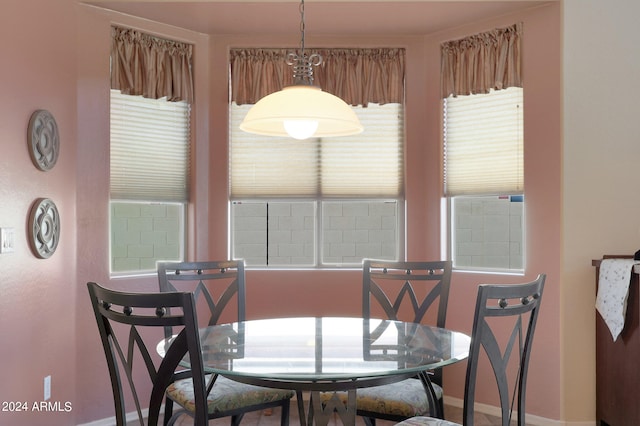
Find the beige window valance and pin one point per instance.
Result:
(358, 76)
(142, 64)
(478, 63)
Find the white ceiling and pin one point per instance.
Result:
(322, 17)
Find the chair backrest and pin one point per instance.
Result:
(218, 287)
(514, 308)
(413, 286)
(409, 291)
(129, 349)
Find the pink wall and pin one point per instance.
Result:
(38, 300)
(64, 68)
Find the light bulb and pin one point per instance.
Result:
(300, 129)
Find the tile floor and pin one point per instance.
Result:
(262, 418)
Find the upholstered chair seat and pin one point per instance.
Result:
(402, 399)
(226, 395)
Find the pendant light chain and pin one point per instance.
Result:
(303, 64)
(302, 27)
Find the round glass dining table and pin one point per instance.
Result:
(327, 354)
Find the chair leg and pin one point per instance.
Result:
(168, 410)
(235, 420)
(284, 418)
(441, 407)
(369, 421)
(170, 421)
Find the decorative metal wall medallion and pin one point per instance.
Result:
(43, 139)
(44, 228)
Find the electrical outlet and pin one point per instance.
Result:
(47, 388)
(7, 240)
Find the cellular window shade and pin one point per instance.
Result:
(368, 165)
(483, 143)
(150, 157)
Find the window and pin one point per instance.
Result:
(484, 179)
(488, 232)
(150, 166)
(318, 203)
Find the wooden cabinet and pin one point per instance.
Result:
(618, 363)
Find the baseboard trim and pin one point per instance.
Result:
(132, 418)
(531, 420)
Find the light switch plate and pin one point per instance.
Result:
(7, 240)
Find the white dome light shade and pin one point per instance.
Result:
(301, 106)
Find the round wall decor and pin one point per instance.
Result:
(43, 139)
(44, 228)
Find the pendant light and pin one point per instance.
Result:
(302, 110)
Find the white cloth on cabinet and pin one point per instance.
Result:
(613, 289)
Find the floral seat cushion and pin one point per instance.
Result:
(406, 398)
(225, 395)
(425, 421)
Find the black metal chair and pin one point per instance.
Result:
(411, 291)
(121, 318)
(508, 354)
(219, 290)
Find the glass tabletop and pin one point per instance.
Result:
(327, 348)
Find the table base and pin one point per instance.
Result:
(322, 413)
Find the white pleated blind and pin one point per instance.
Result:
(483, 143)
(150, 156)
(366, 165)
